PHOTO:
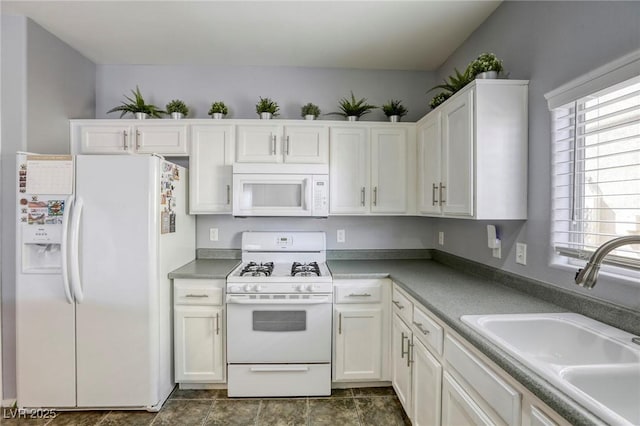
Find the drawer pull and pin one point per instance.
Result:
(434, 188)
(419, 327)
(409, 353)
(359, 295)
(340, 323)
(126, 140)
(217, 324)
(402, 351)
(197, 295)
(395, 302)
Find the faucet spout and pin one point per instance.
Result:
(588, 276)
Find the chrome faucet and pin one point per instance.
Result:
(588, 276)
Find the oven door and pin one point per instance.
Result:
(267, 328)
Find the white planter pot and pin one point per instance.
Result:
(265, 116)
(353, 118)
(394, 118)
(176, 115)
(141, 115)
(487, 75)
(309, 117)
(216, 115)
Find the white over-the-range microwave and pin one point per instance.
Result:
(280, 189)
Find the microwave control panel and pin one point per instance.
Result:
(320, 195)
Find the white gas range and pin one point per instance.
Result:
(279, 313)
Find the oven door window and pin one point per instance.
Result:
(279, 321)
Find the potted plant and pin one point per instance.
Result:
(394, 110)
(353, 109)
(177, 109)
(137, 106)
(456, 81)
(310, 111)
(487, 65)
(218, 110)
(439, 98)
(266, 108)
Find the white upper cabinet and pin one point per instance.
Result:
(472, 153)
(277, 144)
(210, 174)
(128, 137)
(371, 170)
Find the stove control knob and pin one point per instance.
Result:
(311, 287)
(247, 288)
(257, 288)
(234, 289)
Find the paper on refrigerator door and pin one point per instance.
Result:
(49, 174)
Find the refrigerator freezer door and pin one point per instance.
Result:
(117, 319)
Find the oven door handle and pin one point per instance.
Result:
(243, 301)
(278, 369)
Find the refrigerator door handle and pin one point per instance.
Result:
(75, 260)
(64, 248)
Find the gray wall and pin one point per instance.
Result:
(240, 87)
(361, 232)
(44, 82)
(549, 43)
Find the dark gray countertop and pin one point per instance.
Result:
(205, 268)
(449, 294)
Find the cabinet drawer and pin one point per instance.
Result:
(402, 305)
(358, 292)
(497, 393)
(427, 330)
(197, 292)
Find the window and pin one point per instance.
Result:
(596, 174)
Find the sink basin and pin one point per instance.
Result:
(594, 363)
(618, 388)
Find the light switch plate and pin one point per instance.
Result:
(441, 238)
(213, 234)
(341, 236)
(521, 253)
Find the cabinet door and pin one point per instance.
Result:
(458, 408)
(106, 139)
(259, 144)
(401, 366)
(426, 387)
(210, 160)
(165, 139)
(306, 144)
(358, 342)
(429, 161)
(457, 156)
(198, 344)
(349, 170)
(389, 171)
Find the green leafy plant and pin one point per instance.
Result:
(486, 62)
(267, 105)
(177, 105)
(439, 98)
(394, 107)
(353, 107)
(310, 109)
(457, 81)
(218, 107)
(137, 104)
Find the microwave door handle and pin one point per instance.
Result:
(307, 194)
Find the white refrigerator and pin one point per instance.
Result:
(96, 238)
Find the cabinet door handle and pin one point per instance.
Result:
(137, 139)
(402, 351)
(126, 139)
(375, 195)
(359, 295)
(217, 323)
(419, 327)
(288, 145)
(197, 296)
(395, 302)
(340, 323)
(362, 196)
(273, 144)
(228, 194)
(434, 188)
(409, 353)
(442, 188)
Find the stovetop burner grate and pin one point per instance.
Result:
(305, 269)
(254, 269)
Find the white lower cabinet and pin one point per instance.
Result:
(199, 331)
(401, 366)
(361, 330)
(426, 388)
(458, 408)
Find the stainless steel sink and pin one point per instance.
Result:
(596, 364)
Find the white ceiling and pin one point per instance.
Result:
(395, 35)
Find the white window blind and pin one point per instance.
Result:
(596, 173)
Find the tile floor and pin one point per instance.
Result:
(345, 407)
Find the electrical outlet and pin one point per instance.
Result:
(521, 253)
(341, 236)
(213, 234)
(441, 238)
